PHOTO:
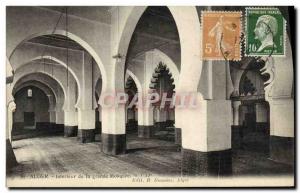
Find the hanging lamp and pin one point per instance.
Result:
(67, 49)
(118, 56)
(92, 83)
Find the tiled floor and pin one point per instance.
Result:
(56, 154)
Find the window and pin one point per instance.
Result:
(29, 93)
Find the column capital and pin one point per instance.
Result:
(236, 104)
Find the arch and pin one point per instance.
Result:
(45, 92)
(60, 63)
(59, 87)
(260, 69)
(41, 72)
(189, 33)
(161, 67)
(168, 62)
(136, 80)
(41, 110)
(78, 40)
(40, 83)
(245, 63)
(253, 81)
(41, 86)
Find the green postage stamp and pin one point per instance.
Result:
(265, 32)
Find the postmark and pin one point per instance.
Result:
(221, 32)
(265, 32)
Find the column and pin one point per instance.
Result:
(178, 134)
(70, 123)
(170, 117)
(282, 130)
(206, 138)
(136, 115)
(236, 128)
(161, 119)
(11, 160)
(86, 125)
(126, 115)
(52, 114)
(98, 124)
(113, 130)
(131, 126)
(52, 120)
(146, 128)
(243, 109)
(113, 119)
(261, 111)
(86, 109)
(70, 114)
(59, 120)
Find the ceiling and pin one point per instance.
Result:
(94, 13)
(57, 41)
(158, 21)
(156, 28)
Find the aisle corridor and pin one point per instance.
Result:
(58, 155)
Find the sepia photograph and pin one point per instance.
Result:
(150, 96)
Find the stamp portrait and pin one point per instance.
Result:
(265, 32)
(221, 33)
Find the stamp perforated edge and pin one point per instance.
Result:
(246, 30)
(240, 35)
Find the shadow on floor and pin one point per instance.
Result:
(140, 149)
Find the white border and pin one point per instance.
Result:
(4, 3)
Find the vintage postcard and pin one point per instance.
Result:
(150, 96)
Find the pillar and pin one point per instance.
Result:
(161, 119)
(70, 129)
(282, 130)
(131, 124)
(243, 109)
(86, 126)
(206, 138)
(52, 116)
(170, 117)
(70, 114)
(86, 107)
(136, 115)
(177, 135)
(113, 136)
(177, 129)
(146, 128)
(98, 124)
(262, 125)
(11, 160)
(236, 128)
(126, 115)
(59, 119)
(235, 112)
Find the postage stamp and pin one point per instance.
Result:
(265, 32)
(221, 32)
